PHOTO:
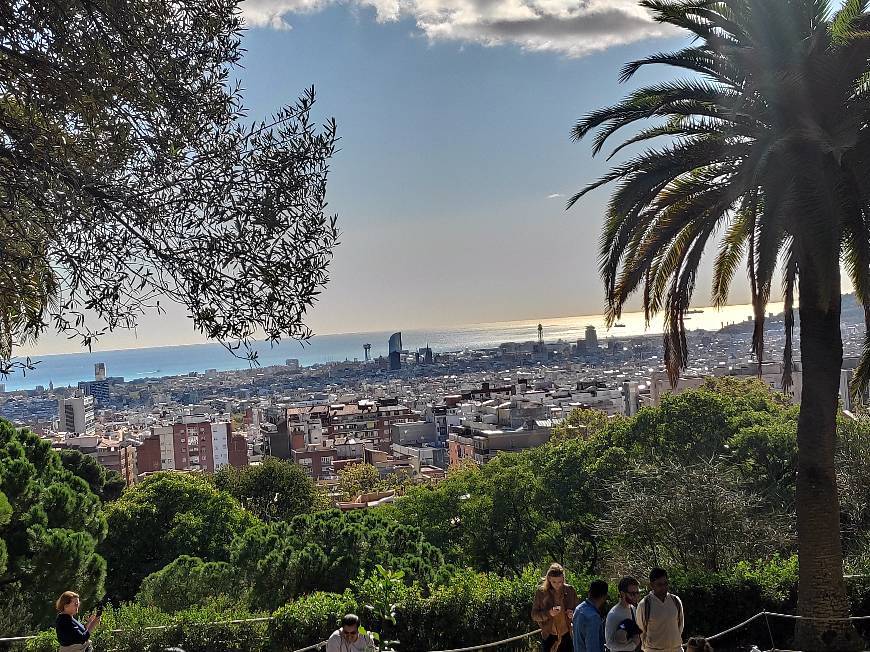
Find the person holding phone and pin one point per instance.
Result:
(73, 636)
(553, 610)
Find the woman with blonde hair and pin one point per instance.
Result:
(72, 635)
(553, 610)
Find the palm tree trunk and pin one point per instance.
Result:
(822, 589)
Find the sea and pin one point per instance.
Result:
(154, 362)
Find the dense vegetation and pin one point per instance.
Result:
(703, 485)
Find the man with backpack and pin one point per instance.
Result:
(660, 616)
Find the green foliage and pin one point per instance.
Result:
(189, 581)
(581, 422)
(325, 551)
(310, 619)
(273, 490)
(379, 592)
(103, 482)
(356, 479)
(516, 510)
(691, 517)
(198, 629)
(152, 146)
(5, 517)
(50, 525)
(163, 517)
(472, 608)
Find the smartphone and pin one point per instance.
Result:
(100, 606)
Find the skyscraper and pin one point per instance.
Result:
(395, 348)
(591, 339)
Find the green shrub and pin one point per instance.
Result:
(44, 642)
(192, 629)
(308, 620)
(190, 581)
(473, 608)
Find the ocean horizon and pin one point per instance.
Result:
(134, 363)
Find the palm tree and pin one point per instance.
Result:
(767, 141)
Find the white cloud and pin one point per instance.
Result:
(573, 27)
(555, 195)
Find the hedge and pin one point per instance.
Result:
(193, 630)
(472, 609)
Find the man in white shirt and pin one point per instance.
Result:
(348, 638)
(660, 616)
(621, 632)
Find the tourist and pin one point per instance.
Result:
(660, 616)
(588, 624)
(698, 644)
(621, 632)
(73, 636)
(348, 638)
(553, 609)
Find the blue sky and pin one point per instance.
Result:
(451, 151)
(454, 117)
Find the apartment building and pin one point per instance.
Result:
(192, 444)
(76, 415)
(480, 444)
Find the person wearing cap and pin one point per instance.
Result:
(553, 609)
(621, 632)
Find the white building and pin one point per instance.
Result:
(76, 415)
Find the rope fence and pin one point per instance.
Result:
(766, 615)
(151, 628)
(487, 646)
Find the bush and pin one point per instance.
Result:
(473, 608)
(189, 581)
(44, 642)
(308, 620)
(194, 630)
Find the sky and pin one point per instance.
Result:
(455, 159)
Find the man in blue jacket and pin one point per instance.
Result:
(588, 623)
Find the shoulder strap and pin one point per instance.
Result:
(679, 607)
